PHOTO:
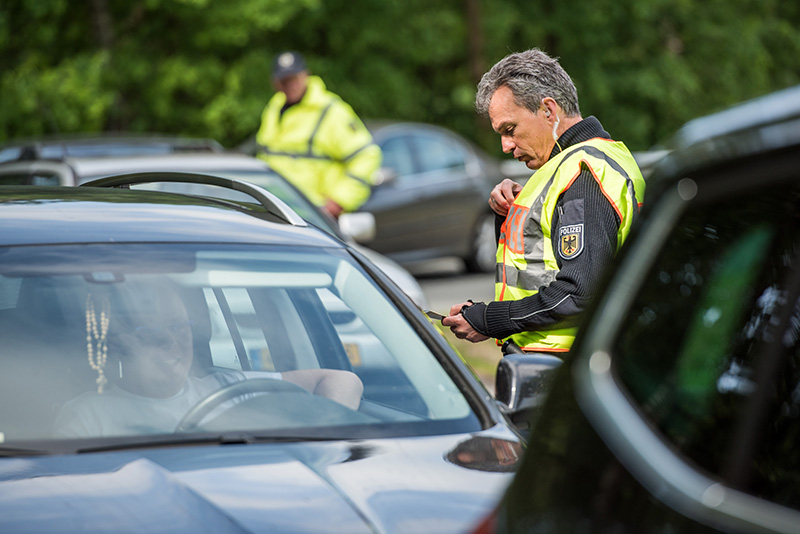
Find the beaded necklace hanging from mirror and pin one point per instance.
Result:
(96, 346)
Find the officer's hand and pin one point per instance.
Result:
(503, 195)
(460, 327)
(455, 309)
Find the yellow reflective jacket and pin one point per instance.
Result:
(320, 145)
(525, 255)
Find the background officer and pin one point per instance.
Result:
(314, 139)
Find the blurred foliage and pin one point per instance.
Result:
(201, 67)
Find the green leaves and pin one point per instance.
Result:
(69, 97)
(202, 67)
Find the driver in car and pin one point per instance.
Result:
(154, 389)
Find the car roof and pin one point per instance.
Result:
(381, 127)
(60, 215)
(760, 125)
(766, 110)
(92, 145)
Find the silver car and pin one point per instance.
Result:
(73, 165)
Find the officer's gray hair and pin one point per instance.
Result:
(531, 75)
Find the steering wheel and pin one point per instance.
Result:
(196, 413)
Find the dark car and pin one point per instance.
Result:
(678, 409)
(432, 202)
(177, 364)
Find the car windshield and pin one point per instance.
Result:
(127, 340)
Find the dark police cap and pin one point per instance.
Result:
(286, 64)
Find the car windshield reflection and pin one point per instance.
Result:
(145, 340)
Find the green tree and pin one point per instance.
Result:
(201, 67)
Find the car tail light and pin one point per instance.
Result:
(488, 525)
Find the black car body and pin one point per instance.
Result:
(678, 409)
(430, 199)
(427, 450)
(433, 203)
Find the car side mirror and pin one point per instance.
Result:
(384, 175)
(359, 225)
(522, 384)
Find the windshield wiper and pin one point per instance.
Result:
(177, 440)
(10, 452)
(146, 442)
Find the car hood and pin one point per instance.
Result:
(404, 279)
(433, 484)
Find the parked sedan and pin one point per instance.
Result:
(432, 202)
(679, 408)
(178, 364)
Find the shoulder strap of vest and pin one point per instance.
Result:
(319, 124)
(592, 149)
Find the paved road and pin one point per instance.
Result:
(444, 284)
(444, 291)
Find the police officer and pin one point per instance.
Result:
(314, 139)
(562, 229)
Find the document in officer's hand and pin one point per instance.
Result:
(435, 315)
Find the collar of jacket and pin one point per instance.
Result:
(316, 94)
(588, 128)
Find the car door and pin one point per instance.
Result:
(425, 210)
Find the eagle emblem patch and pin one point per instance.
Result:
(570, 241)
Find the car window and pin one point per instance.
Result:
(36, 178)
(437, 152)
(397, 155)
(10, 153)
(710, 351)
(96, 335)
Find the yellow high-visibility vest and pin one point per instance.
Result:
(526, 260)
(321, 146)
